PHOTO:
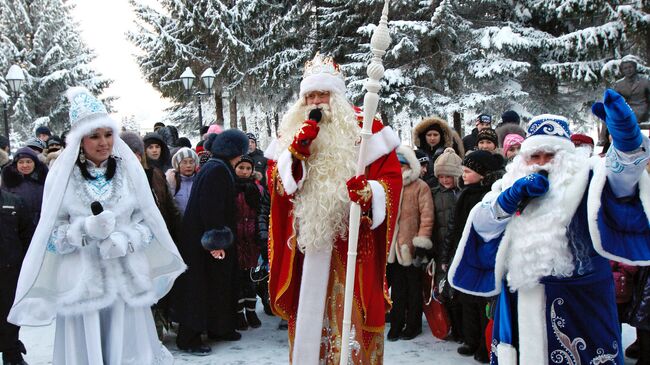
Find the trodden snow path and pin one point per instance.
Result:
(269, 346)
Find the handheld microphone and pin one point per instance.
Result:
(316, 115)
(96, 208)
(525, 201)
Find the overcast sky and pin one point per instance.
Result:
(103, 26)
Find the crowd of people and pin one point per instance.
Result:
(136, 237)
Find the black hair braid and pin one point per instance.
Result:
(111, 168)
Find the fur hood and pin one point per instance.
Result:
(506, 129)
(413, 173)
(4, 158)
(450, 138)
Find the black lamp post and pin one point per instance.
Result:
(15, 78)
(187, 77)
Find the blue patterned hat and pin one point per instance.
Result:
(547, 132)
(87, 113)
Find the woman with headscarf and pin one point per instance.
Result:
(101, 254)
(432, 135)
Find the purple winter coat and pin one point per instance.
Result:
(28, 187)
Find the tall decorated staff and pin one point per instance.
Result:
(378, 43)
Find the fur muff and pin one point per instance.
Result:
(451, 138)
(217, 239)
(422, 242)
(231, 143)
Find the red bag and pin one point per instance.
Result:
(434, 311)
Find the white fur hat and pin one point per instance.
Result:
(322, 74)
(86, 114)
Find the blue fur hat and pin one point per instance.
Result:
(547, 132)
(228, 144)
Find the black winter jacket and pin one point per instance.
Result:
(469, 197)
(16, 232)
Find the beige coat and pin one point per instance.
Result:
(415, 222)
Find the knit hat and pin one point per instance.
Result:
(580, 139)
(36, 144)
(547, 131)
(483, 162)
(448, 163)
(488, 134)
(215, 128)
(134, 142)
(484, 118)
(183, 142)
(231, 143)
(422, 157)
(182, 154)
(511, 140)
(504, 129)
(42, 130)
(246, 159)
(252, 136)
(199, 146)
(322, 74)
(510, 116)
(54, 140)
(26, 152)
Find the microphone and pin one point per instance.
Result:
(525, 201)
(96, 208)
(316, 115)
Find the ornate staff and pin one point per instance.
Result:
(378, 43)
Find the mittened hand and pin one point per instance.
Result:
(533, 185)
(100, 226)
(116, 245)
(303, 139)
(360, 192)
(621, 121)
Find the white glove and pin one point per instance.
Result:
(100, 226)
(115, 246)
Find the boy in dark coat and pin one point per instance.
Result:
(17, 228)
(206, 294)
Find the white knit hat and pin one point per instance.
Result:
(322, 74)
(182, 154)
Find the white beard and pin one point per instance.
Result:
(321, 206)
(539, 244)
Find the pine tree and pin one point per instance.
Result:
(41, 36)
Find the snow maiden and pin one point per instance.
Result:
(100, 257)
(549, 262)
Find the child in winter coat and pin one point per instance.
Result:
(448, 170)
(185, 163)
(407, 254)
(480, 170)
(251, 204)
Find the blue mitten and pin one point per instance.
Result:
(528, 186)
(621, 121)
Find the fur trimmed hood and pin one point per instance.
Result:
(413, 173)
(4, 158)
(449, 139)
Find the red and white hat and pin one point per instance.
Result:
(322, 74)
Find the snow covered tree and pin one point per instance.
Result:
(42, 37)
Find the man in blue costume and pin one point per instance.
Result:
(544, 235)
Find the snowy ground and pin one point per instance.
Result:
(268, 346)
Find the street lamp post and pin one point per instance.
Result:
(187, 77)
(15, 78)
